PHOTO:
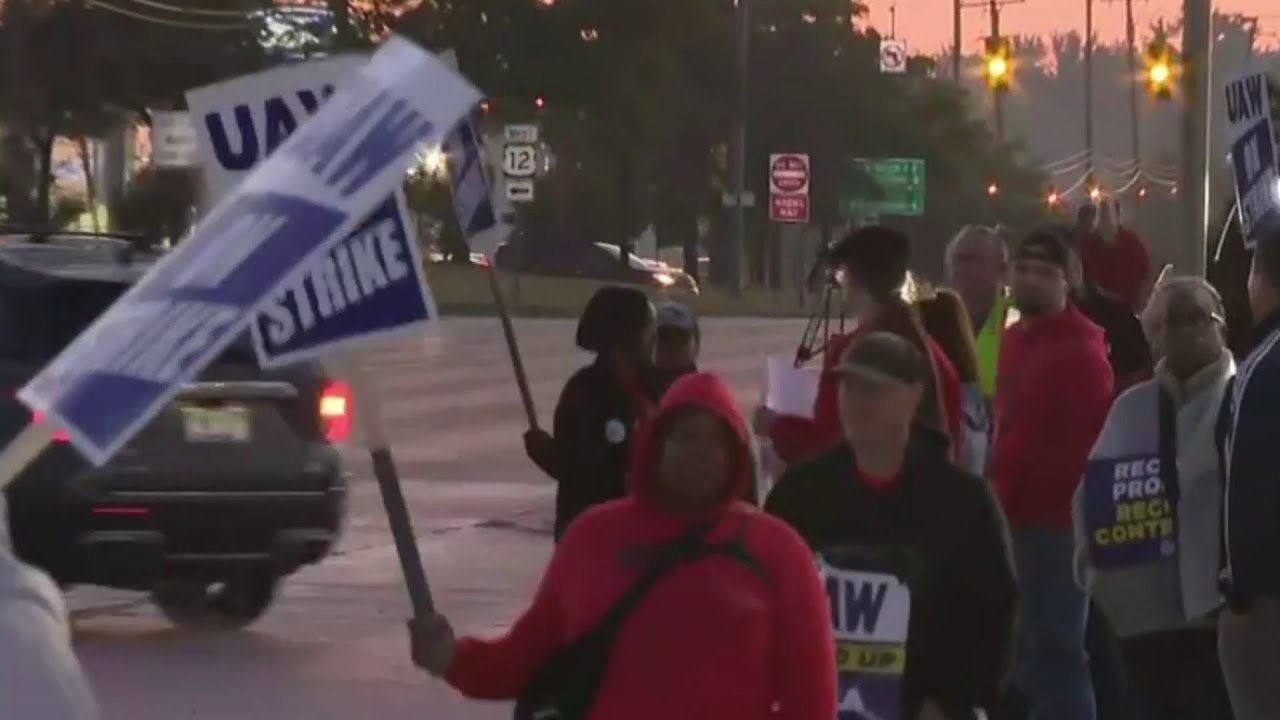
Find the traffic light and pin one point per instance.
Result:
(539, 103)
(997, 62)
(1159, 70)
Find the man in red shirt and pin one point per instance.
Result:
(1053, 392)
(1115, 258)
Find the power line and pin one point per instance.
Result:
(192, 11)
(142, 17)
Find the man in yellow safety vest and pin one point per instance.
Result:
(977, 263)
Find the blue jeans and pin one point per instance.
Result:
(1052, 667)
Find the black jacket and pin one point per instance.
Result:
(1251, 524)
(592, 430)
(1127, 346)
(940, 530)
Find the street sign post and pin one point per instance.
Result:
(789, 188)
(893, 55)
(520, 161)
(1251, 135)
(883, 186)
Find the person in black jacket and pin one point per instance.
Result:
(589, 447)
(915, 552)
(1249, 630)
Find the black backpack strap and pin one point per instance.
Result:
(1168, 442)
(663, 560)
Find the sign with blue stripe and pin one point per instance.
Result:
(368, 286)
(1251, 134)
(265, 235)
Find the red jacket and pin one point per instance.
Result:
(1121, 267)
(1053, 392)
(796, 438)
(714, 641)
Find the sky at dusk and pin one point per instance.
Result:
(926, 24)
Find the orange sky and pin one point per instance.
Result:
(926, 24)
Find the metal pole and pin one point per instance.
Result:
(956, 22)
(1193, 188)
(1088, 83)
(738, 150)
(997, 98)
(1131, 35)
(893, 21)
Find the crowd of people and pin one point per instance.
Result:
(1038, 491)
(1042, 491)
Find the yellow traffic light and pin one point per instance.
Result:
(998, 63)
(1159, 70)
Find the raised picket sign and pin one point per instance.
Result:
(369, 286)
(1251, 135)
(308, 196)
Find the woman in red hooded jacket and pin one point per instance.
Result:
(871, 267)
(720, 638)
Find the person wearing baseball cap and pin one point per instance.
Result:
(1053, 391)
(870, 265)
(679, 340)
(890, 517)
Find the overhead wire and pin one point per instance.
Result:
(193, 11)
(143, 17)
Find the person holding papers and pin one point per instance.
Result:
(914, 551)
(870, 264)
(600, 406)
(40, 677)
(678, 602)
(1147, 515)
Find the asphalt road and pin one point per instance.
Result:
(333, 647)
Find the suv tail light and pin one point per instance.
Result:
(58, 435)
(335, 412)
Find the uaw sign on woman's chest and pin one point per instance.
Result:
(1127, 513)
(871, 613)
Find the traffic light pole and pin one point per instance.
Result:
(1131, 38)
(738, 149)
(1193, 186)
(997, 99)
(1088, 84)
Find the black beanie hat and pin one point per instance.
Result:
(613, 316)
(876, 256)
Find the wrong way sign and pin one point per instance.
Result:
(789, 188)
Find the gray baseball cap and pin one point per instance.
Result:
(883, 358)
(672, 314)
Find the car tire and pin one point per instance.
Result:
(221, 605)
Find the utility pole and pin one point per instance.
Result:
(957, 38)
(893, 21)
(1088, 84)
(738, 149)
(1193, 186)
(1131, 38)
(997, 99)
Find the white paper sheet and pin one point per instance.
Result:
(790, 390)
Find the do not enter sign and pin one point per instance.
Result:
(789, 188)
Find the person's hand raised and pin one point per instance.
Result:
(431, 644)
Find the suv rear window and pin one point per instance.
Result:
(37, 323)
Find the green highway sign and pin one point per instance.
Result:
(883, 186)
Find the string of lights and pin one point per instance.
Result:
(143, 17)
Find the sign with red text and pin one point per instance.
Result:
(789, 188)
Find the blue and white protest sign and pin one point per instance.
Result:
(871, 616)
(472, 201)
(1127, 515)
(371, 285)
(257, 242)
(1253, 155)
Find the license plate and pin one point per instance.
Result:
(227, 424)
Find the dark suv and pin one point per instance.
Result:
(233, 486)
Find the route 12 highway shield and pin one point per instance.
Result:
(294, 207)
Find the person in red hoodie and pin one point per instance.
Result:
(870, 265)
(740, 635)
(1115, 258)
(1053, 392)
